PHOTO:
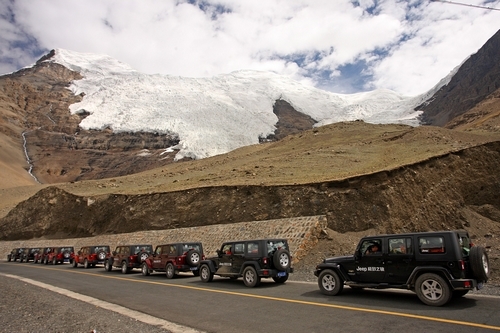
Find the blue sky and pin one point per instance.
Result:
(341, 46)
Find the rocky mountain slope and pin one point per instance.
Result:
(478, 79)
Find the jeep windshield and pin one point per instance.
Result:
(143, 248)
(187, 247)
(274, 245)
(101, 248)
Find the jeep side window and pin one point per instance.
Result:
(431, 244)
(465, 244)
(400, 246)
(252, 248)
(226, 249)
(371, 247)
(239, 248)
(158, 250)
(172, 250)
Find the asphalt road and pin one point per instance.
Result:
(228, 306)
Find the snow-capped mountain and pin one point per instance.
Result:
(211, 116)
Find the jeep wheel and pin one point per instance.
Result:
(281, 259)
(86, 264)
(125, 268)
(432, 289)
(75, 263)
(479, 263)
(330, 283)
(193, 258)
(250, 277)
(145, 269)
(108, 265)
(280, 279)
(205, 274)
(21, 259)
(35, 261)
(143, 256)
(170, 271)
(101, 255)
(46, 261)
(54, 261)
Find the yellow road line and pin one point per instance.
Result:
(287, 300)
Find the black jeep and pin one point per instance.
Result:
(29, 254)
(15, 254)
(127, 257)
(435, 265)
(250, 259)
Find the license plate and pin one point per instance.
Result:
(280, 274)
(193, 268)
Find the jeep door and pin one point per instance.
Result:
(400, 260)
(238, 257)
(226, 259)
(370, 266)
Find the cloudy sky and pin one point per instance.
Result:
(343, 46)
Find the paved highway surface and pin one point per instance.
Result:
(228, 306)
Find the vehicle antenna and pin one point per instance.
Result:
(464, 4)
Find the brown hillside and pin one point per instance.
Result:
(363, 177)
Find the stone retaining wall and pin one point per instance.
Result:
(302, 233)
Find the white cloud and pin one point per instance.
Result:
(407, 46)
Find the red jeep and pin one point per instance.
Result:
(128, 257)
(41, 255)
(174, 258)
(89, 256)
(59, 255)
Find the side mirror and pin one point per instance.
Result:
(219, 253)
(114, 253)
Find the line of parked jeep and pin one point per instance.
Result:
(437, 266)
(250, 259)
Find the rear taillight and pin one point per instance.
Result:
(264, 260)
(179, 259)
(462, 264)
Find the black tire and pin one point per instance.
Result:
(142, 256)
(74, 264)
(250, 277)
(432, 289)
(479, 263)
(330, 283)
(8, 258)
(86, 264)
(46, 262)
(206, 274)
(170, 271)
(281, 259)
(101, 255)
(145, 269)
(54, 261)
(193, 258)
(280, 279)
(35, 261)
(125, 268)
(21, 259)
(108, 265)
